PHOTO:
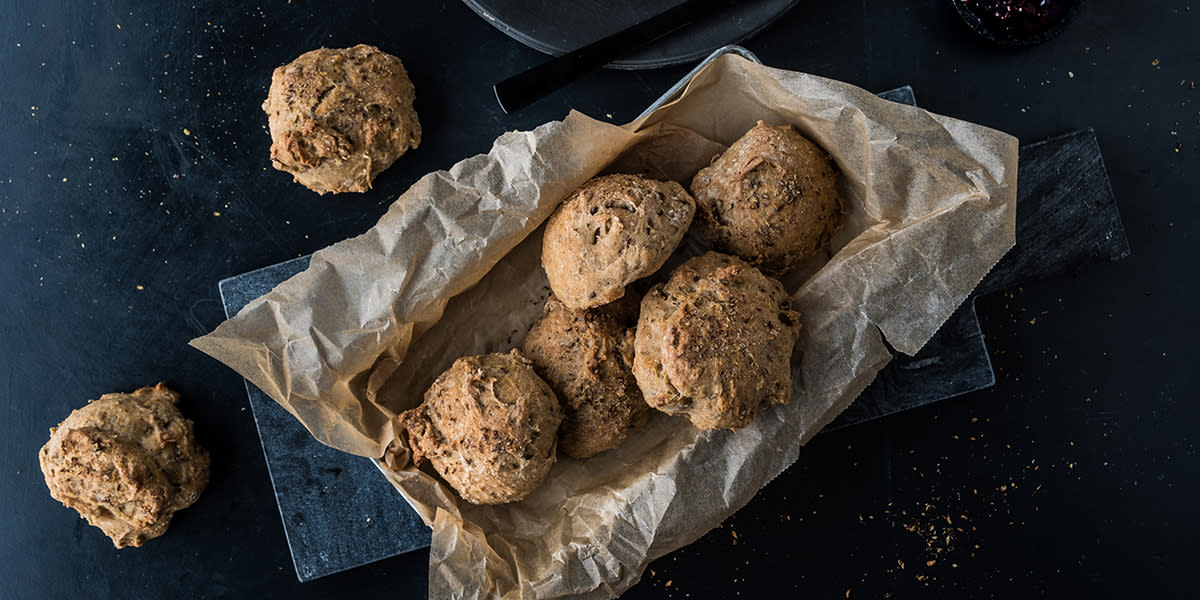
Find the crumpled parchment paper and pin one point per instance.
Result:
(453, 269)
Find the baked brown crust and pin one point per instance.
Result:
(127, 463)
(714, 342)
(612, 231)
(587, 358)
(339, 117)
(771, 199)
(488, 425)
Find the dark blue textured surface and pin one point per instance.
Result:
(135, 174)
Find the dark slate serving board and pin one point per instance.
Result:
(339, 512)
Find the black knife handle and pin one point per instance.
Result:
(525, 87)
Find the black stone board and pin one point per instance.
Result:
(338, 511)
(903, 94)
(1066, 213)
(560, 27)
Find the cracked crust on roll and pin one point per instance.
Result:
(488, 425)
(587, 357)
(714, 343)
(771, 199)
(339, 117)
(612, 231)
(126, 463)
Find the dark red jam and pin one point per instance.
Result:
(1017, 20)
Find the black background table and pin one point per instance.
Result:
(134, 175)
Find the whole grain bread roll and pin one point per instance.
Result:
(771, 199)
(612, 231)
(587, 358)
(339, 117)
(126, 463)
(488, 425)
(714, 342)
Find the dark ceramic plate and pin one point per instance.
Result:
(557, 27)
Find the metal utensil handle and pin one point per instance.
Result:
(525, 87)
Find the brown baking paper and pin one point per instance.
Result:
(453, 269)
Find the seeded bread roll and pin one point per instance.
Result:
(339, 117)
(714, 342)
(771, 199)
(613, 230)
(127, 463)
(587, 358)
(488, 425)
